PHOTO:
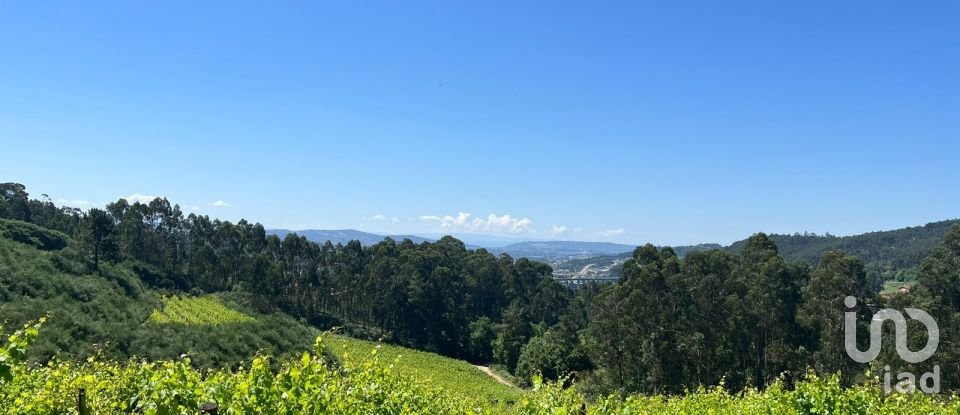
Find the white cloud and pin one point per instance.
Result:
(194, 208)
(493, 223)
(137, 197)
(560, 230)
(73, 203)
(221, 203)
(612, 232)
(382, 217)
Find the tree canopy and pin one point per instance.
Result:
(741, 318)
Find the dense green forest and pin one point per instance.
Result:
(887, 255)
(743, 319)
(433, 296)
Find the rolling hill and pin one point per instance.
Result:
(529, 249)
(342, 236)
(554, 249)
(889, 255)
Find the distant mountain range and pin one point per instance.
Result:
(342, 236)
(482, 240)
(894, 254)
(554, 249)
(497, 245)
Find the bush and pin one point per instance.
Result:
(551, 356)
(33, 235)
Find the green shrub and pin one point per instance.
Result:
(33, 235)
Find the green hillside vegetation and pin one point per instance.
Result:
(33, 235)
(369, 384)
(112, 314)
(455, 376)
(203, 311)
(439, 297)
(905, 247)
(887, 255)
(87, 309)
(745, 319)
(108, 313)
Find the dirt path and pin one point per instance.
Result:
(494, 375)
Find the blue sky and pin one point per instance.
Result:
(673, 123)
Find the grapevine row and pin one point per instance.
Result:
(196, 311)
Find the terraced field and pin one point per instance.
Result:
(207, 310)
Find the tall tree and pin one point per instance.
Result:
(773, 294)
(100, 230)
(512, 335)
(838, 275)
(938, 293)
(14, 202)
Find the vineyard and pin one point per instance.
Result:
(814, 395)
(200, 311)
(312, 384)
(370, 383)
(454, 376)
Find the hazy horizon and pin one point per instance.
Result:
(506, 239)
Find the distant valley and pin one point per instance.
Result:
(541, 250)
(891, 257)
(342, 236)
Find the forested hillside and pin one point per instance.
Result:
(108, 312)
(888, 255)
(438, 296)
(749, 318)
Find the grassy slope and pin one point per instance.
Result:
(452, 375)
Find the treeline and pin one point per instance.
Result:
(433, 296)
(715, 316)
(107, 313)
(887, 255)
(745, 318)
